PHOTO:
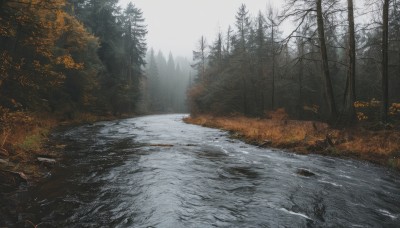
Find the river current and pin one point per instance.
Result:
(156, 171)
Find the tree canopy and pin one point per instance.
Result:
(65, 56)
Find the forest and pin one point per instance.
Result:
(66, 57)
(63, 57)
(85, 60)
(167, 81)
(122, 114)
(340, 64)
(78, 61)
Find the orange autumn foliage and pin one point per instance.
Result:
(50, 37)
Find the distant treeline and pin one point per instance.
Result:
(166, 83)
(328, 68)
(66, 56)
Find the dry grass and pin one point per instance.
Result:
(24, 137)
(279, 132)
(26, 131)
(381, 147)
(380, 142)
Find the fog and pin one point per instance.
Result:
(176, 25)
(174, 30)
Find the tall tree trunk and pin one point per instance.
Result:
(349, 114)
(325, 65)
(244, 94)
(301, 75)
(203, 58)
(385, 61)
(130, 47)
(273, 67)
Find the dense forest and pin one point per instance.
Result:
(65, 57)
(69, 60)
(70, 56)
(339, 64)
(298, 111)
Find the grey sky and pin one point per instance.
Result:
(177, 25)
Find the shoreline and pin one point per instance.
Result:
(310, 137)
(28, 153)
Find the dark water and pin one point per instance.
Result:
(156, 171)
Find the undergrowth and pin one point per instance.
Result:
(24, 137)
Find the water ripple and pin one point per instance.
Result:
(115, 176)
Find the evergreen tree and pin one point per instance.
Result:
(152, 74)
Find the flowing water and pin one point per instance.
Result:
(157, 171)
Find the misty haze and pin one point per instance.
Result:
(199, 113)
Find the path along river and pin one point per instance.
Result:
(156, 171)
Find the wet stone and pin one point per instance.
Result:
(47, 160)
(305, 173)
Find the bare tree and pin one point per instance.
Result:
(348, 115)
(243, 25)
(325, 64)
(200, 57)
(301, 10)
(385, 60)
(273, 25)
(300, 50)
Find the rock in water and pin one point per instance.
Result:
(304, 172)
(47, 160)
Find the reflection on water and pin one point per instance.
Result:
(156, 171)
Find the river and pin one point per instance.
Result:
(156, 171)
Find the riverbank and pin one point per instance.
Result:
(26, 152)
(305, 137)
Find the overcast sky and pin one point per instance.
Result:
(177, 25)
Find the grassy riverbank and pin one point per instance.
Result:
(24, 142)
(304, 137)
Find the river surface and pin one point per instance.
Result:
(157, 171)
